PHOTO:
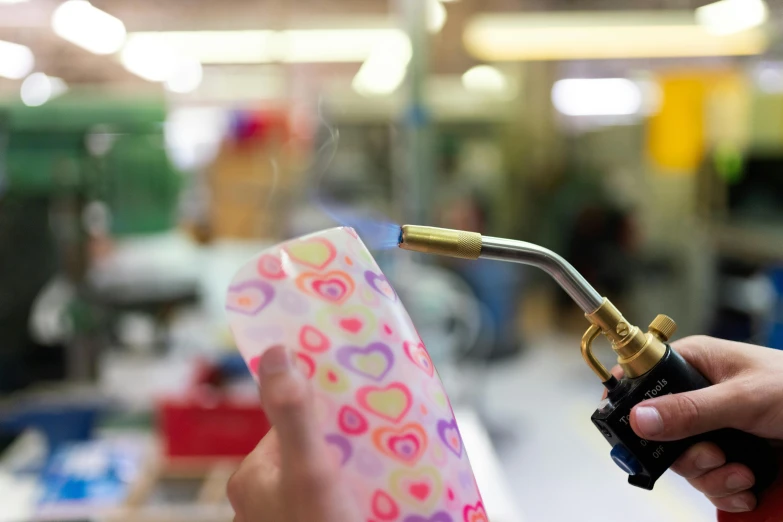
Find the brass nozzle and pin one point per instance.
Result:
(441, 241)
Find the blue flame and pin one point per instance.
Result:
(377, 232)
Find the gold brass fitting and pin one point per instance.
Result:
(637, 352)
(441, 241)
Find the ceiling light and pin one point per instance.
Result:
(16, 61)
(185, 77)
(12, 1)
(597, 97)
(384, 71)
(436, 16)
(39, 88)
(732, 16)
(602, 35)
(290, 46)
(82, 24)
(148, 60)
(485, 79)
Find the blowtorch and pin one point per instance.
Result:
(651, 367)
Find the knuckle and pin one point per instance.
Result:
(688, 412)
(234, 487)
(287, 396)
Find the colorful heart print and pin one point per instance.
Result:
(341, 447)
(389, 333)
(381, 285)
(333, 287)
(355, 324)
(312, 339)
(384, 507)
(315, 252)
(475, 513)
(449, 434)
(453, 503)
(440, 516)
(438, 455)
(434, 392)
(332, 379)
(417, 353)
(270, 267)
(406, 444)
(419, 487)
(374, 361)
(250, 297)
(391, 402)
(351, 421)
(369, 297)
(306, 364)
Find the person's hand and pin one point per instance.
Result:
(290, 476)
(747, 394)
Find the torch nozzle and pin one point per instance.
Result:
(441, 241)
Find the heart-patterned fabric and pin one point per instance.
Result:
(380, 402)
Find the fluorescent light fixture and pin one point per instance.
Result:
(485, 79)
(732, 16)
(602, 35)
(597, 97)
(185, 77)
(16, 61)
(12, 1)
(436, 16)
(384, 71)
(290, 46)
(82, 24)
(39, 88)
(157, 62)
(148, 60)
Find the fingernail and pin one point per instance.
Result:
(708, 460)
(274, 361)
(740, 504)
(649, 420)
(736, 482)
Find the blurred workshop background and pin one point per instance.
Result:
(148, 148)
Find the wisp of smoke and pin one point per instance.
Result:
(376, 231)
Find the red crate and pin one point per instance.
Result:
(208, 422)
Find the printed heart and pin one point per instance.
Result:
(475, 513)
(373, 361)
(391, 402)
(270, 267)
(356, 324)
(341, 447)
(369, 296)
(389, 333)
(406, 444)
(313, 339)
(306, 364)
(334, 287)
(453, 504)
(351, 232)
(449, 434)
(438, 455)
(352, 325)
(250, 297)
(440, 516)
(351, 421)
(384, 507)
(316, 252)
(420, 487)
(332, 379)
(381, 285)
(434, 392)
(417, 353)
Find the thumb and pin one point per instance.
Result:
(682, 415)
(288, 402)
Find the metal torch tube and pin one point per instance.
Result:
(583, 294)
